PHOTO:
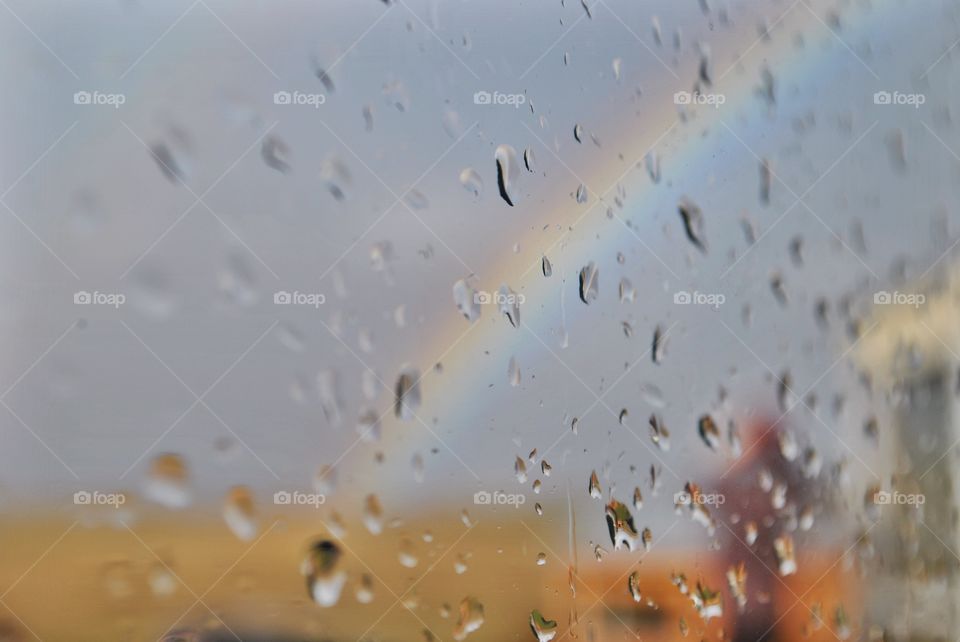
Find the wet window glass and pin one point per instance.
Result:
(446, 320)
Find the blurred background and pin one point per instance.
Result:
(423, 319)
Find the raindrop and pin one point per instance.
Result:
(520, 469)
(529, 161)
(582, 194)
(633, 585)
(239, 513)
(507, 172)
(407, 393)
(168, 481)
(336, 176)
(373, 515)
(544, 629)
(737, 579)
(765, 178)
(171, 169)
(274, 151)
(693, 223)
(709, 432)
(364, 590)
(589, 282)
(471, 181)
(471, 618)
(620, 526)
(509, 305)
(659, 346)
(783, 547)
(417, 199)
(513, 372)
(659, 433)
(594, 487)
(465, 298)
(324, 580)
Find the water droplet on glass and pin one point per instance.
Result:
(633, 585)
(509, 305)
(594, 487)
(620, 526)
(168, 481)
(693, 225)
(239, 513)
(465, 298)
(513, 372)
(273, 151)
(544, 629)
(507, 173)
(407, 393)
(324, 579)
(589, 282)
(471, 181)
(471, 618)
(373, 515)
